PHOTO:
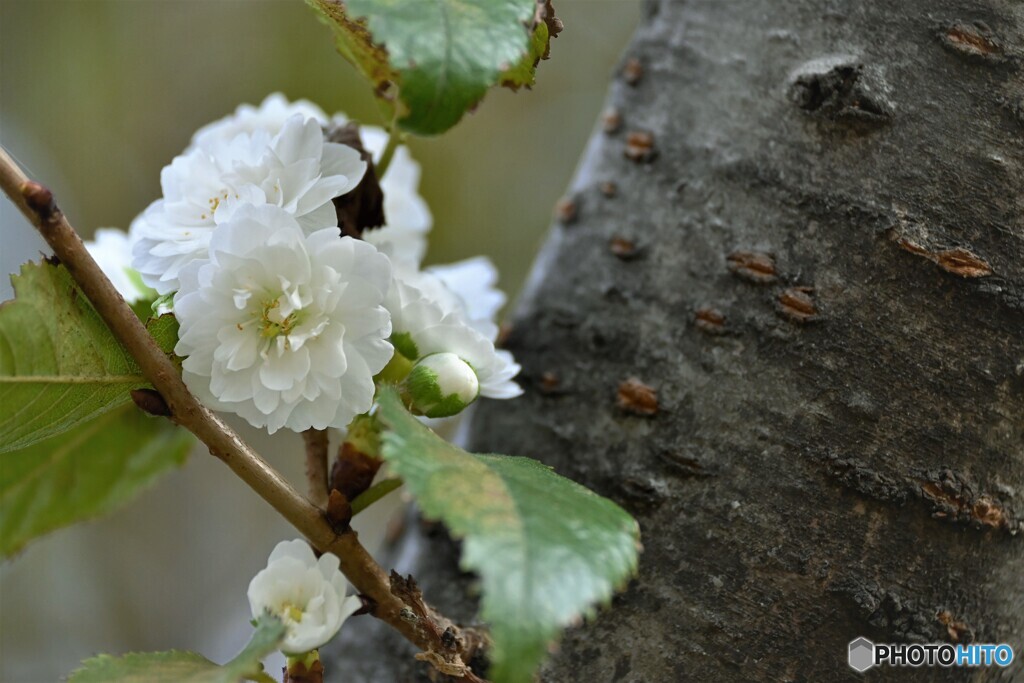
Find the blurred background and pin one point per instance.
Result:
(96, 96)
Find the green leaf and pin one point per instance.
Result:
(433, 60)
(546, 548)
(176, 666)
(84, 472)
(164, 329)
(59, 364)
(546, 27)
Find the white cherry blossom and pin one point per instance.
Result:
(421, 327)
(307, 594)
(295, 170)
(473, 282)
(466, 288)
(281, 328)
(269, 116)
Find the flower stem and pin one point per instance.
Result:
(394, 140)
(373, 494)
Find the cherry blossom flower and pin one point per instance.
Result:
(281, 328)
(295, 170)
(421, 327)
(269, 116)
(307, 594)
(464, 288)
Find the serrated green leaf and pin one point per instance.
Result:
(83, 473)
(546, 549)
(523, 73)
(172, 666)
(59, 364)
(433, 60)
(546, 27)
(176, 666)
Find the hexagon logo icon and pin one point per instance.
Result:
(862, 655)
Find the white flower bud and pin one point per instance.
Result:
(307, 594)
(421, 327)
(442, 385)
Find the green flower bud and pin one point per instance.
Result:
(441, 385)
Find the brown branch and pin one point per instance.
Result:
(316, 465)
(456, 647)
(36, 203)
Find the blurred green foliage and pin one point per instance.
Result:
(97, 95)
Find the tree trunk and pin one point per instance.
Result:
(816, 260)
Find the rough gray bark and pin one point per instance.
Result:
(821, 273)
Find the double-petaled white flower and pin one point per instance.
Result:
(465, 289)
(294, 169)
(269, 116)
(422, 327)
(408, 217)
(307, 594)
(281, 318)
(112, 250)
(284, 329)
(469, 286)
